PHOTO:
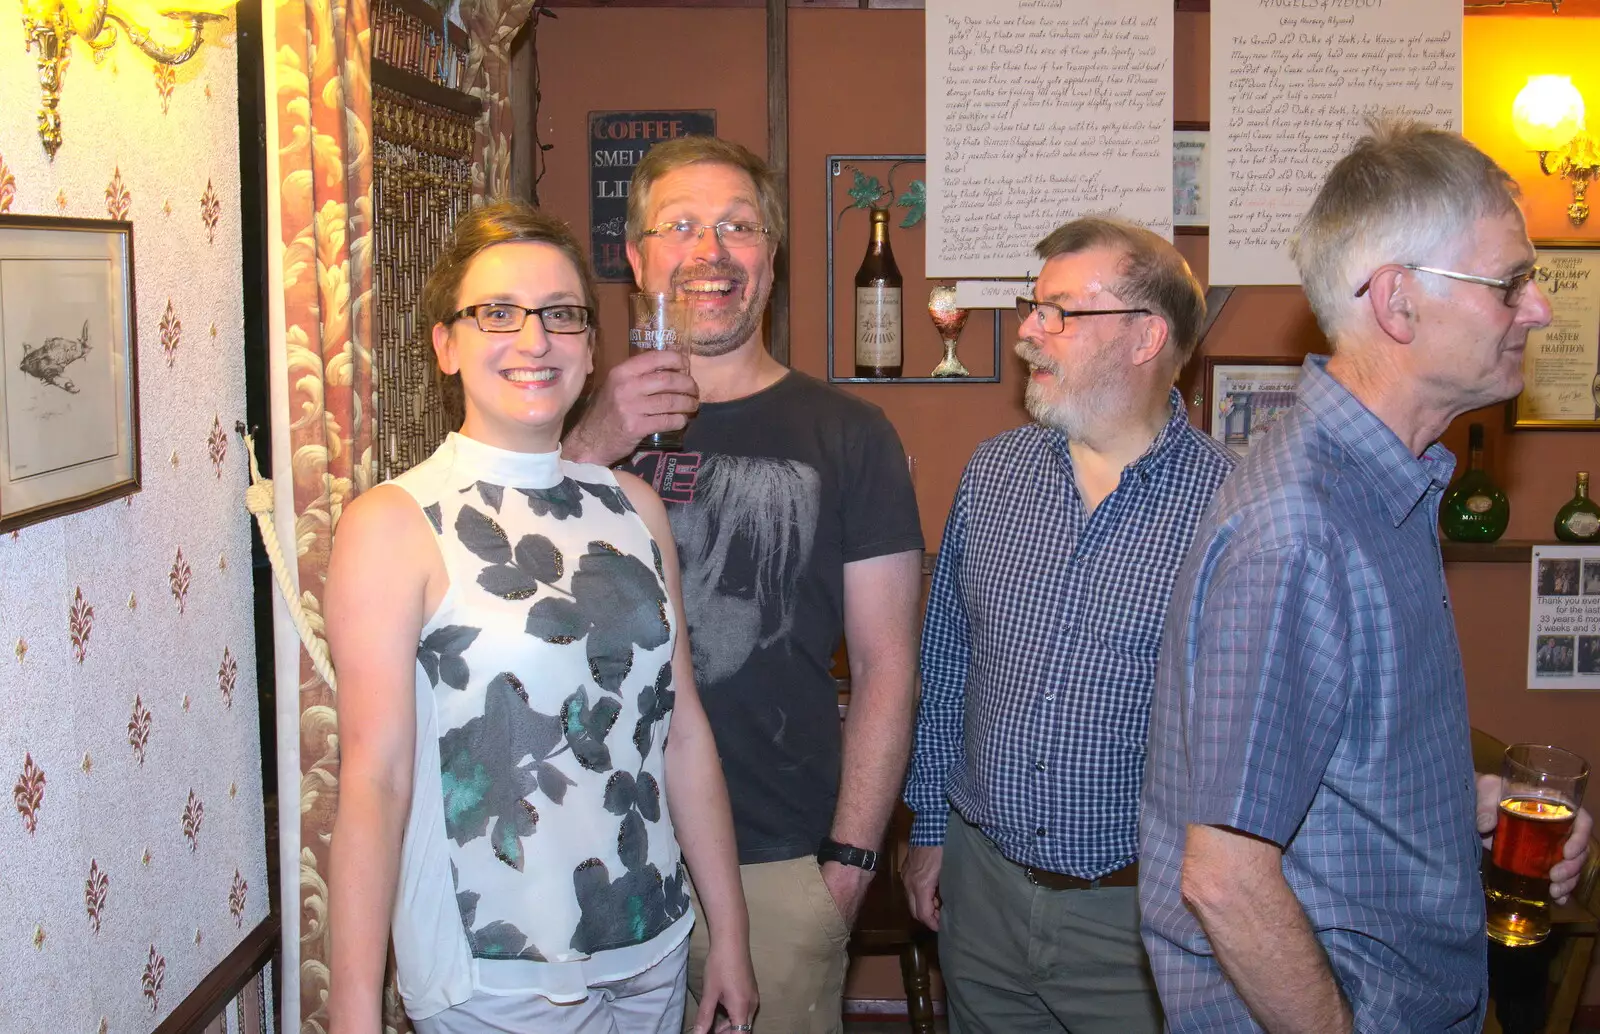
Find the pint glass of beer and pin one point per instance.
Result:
(1541, 788)
(661, 322)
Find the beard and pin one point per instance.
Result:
(1055, 409)
(725, 334)
(1078, 403)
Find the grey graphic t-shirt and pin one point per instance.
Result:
(770, 497)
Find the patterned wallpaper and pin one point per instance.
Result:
(132, 855)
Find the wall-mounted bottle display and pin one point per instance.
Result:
(876, 205)
(1474, 509)
(1579, 519)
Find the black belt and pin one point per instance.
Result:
(1127, 876)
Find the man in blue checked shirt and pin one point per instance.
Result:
(1310, 831)
(1040, 644)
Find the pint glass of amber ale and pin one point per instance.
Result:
(1541, 788)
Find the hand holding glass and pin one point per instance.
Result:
(1540, 791)
(660, 323)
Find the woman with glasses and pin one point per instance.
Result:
(507, 630)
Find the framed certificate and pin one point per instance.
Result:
(1561, 366)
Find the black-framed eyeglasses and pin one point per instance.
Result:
(506, 318)
(731, 233)
(1514, 286)
(1053, 318)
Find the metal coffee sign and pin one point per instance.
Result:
(617, 141)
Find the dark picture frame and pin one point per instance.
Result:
(69, 379)
(1257, 388)
(618, 141)
(1561, 365)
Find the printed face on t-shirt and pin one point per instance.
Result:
(744, 540)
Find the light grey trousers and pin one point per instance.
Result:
(1020, 959)
(649, 1003)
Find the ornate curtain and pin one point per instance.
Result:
(491, 26)
(318, 61)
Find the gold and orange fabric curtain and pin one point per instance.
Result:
(319, 91)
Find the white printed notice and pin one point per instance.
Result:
(1292, 84)
(1564, 621)
(1039, 111)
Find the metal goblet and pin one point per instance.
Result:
(948, 319)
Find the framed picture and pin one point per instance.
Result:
(1191, 177)
(1245, 395)
(69, 386)
(1561, 365)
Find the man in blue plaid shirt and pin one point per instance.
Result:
(1310, 832)
(1040, 644)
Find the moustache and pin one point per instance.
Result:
(1033, 356)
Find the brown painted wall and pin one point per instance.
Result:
(856, 87)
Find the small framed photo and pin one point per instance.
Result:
(1191, 177)
(1561, 365)
(69, 386)
(1245, 395)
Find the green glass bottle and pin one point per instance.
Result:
(1474, 509)
(1579, 520)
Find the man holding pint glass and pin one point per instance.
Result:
(795, 521)
(1310, 830)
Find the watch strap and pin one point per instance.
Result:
(847, 854)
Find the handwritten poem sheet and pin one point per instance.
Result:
(1292, 84)
(1040, 111)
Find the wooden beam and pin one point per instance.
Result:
(914, 5)
(778, 158)
(702, 4)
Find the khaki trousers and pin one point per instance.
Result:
(797, 945)
(1020, 959)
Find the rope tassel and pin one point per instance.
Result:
(258, 499)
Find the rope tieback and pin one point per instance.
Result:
(259, 499)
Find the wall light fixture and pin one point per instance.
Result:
(168, 31)
(1548, 118)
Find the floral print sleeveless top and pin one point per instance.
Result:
(538, 835)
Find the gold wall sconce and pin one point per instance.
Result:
(1548, 118)
(168, 31)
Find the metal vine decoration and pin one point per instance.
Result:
(867, 191)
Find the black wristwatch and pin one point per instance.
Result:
(846, 854)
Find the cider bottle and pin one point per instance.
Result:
(878, 321)
(1474, 509)
(1579, 520)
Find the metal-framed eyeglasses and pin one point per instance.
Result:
(1053, 318)
(506, 318)
(731, 233)
(1514, 286)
